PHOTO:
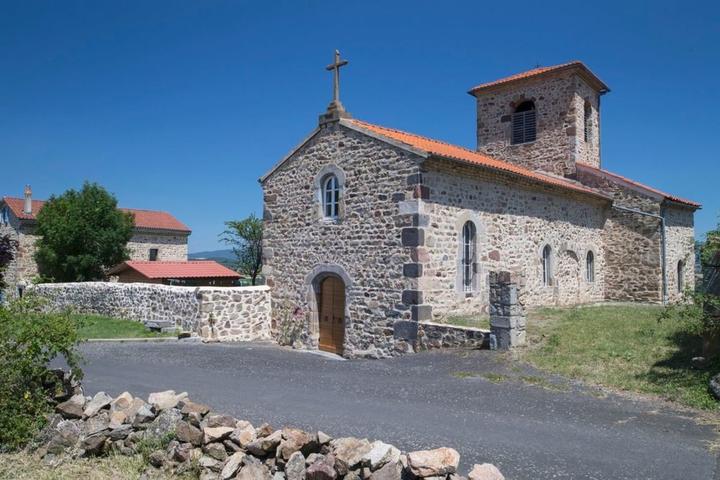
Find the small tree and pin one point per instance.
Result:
(8, 247)
(710, 246)
(245, 237)
(81, 234)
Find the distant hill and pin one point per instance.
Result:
(224, 257)
(228, 254)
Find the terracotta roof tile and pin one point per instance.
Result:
(149, 219)
(190, 269)
(615, 176)
(446, 150)
(541, 70)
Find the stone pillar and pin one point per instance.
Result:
(507, 316)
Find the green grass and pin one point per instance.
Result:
(469, 321)
(95, 326)
(624, 348)
(494, 377)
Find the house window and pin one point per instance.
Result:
(590, 267)
(547, 265)
(331, 197)
(468, 257)
(588, 121)
(524, 127)
(680, 276)
(4, 216)
(153, 254)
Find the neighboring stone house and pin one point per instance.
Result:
(156, 236)
(370, 230)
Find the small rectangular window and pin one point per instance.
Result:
(523, 127)
(153, 254)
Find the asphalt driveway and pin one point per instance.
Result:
(532, 426)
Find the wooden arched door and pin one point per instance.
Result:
(332, 314)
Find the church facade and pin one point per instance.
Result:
(370, 231)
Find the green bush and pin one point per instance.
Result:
(29, 340)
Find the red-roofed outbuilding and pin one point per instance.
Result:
(191, 273)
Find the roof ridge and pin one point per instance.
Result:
(456, 152)
(666, 195)
(444, 142)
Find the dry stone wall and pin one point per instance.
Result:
(226, 314)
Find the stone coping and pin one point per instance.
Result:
(251, 288)
(457, 327)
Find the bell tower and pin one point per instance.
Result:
(544, 119)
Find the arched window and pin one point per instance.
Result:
(680, 276)
(588, 121)
(547, 265)
(468, 257)
(590, 267)
(331, 196)
(524, 123)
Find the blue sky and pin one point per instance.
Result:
(182, 105)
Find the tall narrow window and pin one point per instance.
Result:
(588, 121)
(153, 254)
(468, 256)
(524, 123)
(590, 267)
(331, 196)
(680, 276)
(547, 265)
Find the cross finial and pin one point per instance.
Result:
(335, 68)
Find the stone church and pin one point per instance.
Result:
(371, 231)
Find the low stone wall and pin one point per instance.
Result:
(227, 314)
(440, 335)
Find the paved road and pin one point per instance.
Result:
(422, 401)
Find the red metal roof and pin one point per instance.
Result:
(615, 176)
(599, 84)
(150, 219)
(190, 269)
(446, 150)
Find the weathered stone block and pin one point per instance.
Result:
(413, 237)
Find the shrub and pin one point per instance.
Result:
(29, 340)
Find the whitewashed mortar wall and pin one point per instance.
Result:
(236, 313)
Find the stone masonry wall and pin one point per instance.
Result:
(514, 222)
(364, 248)
(171, 246)
(234, 313)
(680, 246)
(559, 102)
(633, 244)
(23, 268)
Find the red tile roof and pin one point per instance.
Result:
(191, 269)
(446, 150)
(581, 67)
(616, 177)
(149, 219)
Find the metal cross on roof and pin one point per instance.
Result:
(335, 67)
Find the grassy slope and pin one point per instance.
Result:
(94, 326)
(620, 347)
